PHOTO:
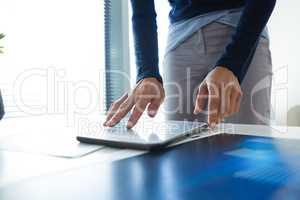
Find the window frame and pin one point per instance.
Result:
(117, 59)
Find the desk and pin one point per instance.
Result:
(112, 174)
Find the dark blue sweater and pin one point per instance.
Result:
(238, 53)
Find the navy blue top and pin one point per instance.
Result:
(238, 53)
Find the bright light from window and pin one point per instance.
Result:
(63, 41)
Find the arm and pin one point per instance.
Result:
(145, 39)
(222, 85)
(148, 93)
(239, 52)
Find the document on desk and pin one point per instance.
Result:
(53, 145)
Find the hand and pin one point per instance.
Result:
(224, 94)
(148, 93)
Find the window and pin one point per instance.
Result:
(117, 79)
(53, 56)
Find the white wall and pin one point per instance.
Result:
(285, 43)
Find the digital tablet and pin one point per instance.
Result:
(145, 136)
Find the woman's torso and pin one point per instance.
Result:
(185, 9)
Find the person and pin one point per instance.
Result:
(1, 107)
(217, 64)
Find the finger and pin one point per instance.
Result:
(138, 110)
(125, 107)
(235, 99)
(226, 104)
(200, 99)
(213, 105)
(238, 102)
(114, 107)
(112, 110)
(153, 107)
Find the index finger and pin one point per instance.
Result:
(137, 112)
(114, 107)
(122, 111)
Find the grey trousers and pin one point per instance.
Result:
(186, 67)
